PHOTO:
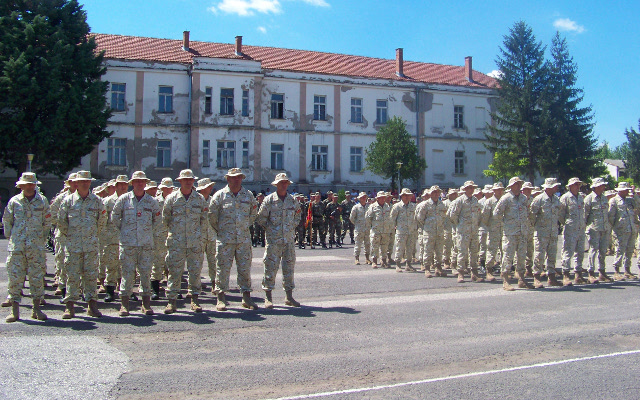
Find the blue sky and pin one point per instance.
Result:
(602, 36)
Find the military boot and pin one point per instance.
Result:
(617, 276)
(146, 305)
(155, 287)
(247, 302)
(522, 284)
(195, 305)
(59, 291)
(566, 279)
(36, 313)
(63, 293)
(92, 309)
(268, 300)
(171, 307)
(357, 262)
(374, 262)
(368, 260)
(101, 288)
(15, 312)
(578, 280)
(7, 303)
(603, 277)
(460, 275)
(222, 302)
(552, 281)
(124, 307)
(289, 300)
(529, 272)
(537, 283)
(474, 275)
(592, 278)
(69, 311)
(505, 282)
(490, 277)
(628, 274)
(427, 272)
(111, 294)
(409, 268)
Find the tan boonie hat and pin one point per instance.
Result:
(72, 177)
(406, 191)
(513, 181)
(279, 178)
(204, 183)
(573, 181)
(426, 192)
(434, 187)
(329, 192)
(381, 194)
(527, 185)
(498, 185)
(83, 176)
(151, 185)
(550, 182)
(598, 182)
(28, 177)
(362, 194)
(235, 172)
(138, 175)
(121, 179)
(166, 183)
(487, 188)
(610, 193)
(112, 182)
(467, 184)
(452, 192)
(186, 174)
(347, 193)
(622, 186)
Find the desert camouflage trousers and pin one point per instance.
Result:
(82, 270)
(494, 239)
(132, 259)
(361, 240)
(405, 248)
(598, 244)
(447, 244)
(467, 247)
(624, 250)
(59, 260)
(23, 263)
(379, 245)
(159, 268)
(572, 247)
(210, 253)
(544, 254)
(514, 248)
(109, 256)
(482, 243)
(226, 253)
(432, 246)
(176, 259)
(274, 256)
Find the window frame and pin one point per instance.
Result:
(458, 117)
(245, 103)
(319, 108)
(277, 157)
(226, 101)
(208, 100)
(319, 158)
(120, 97)
(226, 153)
(356, 110)
(165, 100)
(245, 154)
(277, 106)
(458, 162)
(382, 110)
(206, 153)
(117, 151)
(164, 152)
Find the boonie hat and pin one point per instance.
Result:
(186, 174)
(83, 176)
(235, 172)
(28, 177)
(550, 182)
(279, 178)
(598, 182)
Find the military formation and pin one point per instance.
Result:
(109, 238)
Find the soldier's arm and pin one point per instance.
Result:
(534, 209)
(498, 211)
(611, 213)
(63, 217)
(7, 219)
(562, 212)
(214, 210)
(46, 223)
(156, 218)
(454, 212)
(102, 217)
(253, 213)
(167, 211)
(263, 212)
(352, 216)
(116, 214)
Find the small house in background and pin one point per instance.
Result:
(616, 168)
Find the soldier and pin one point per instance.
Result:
(347, 205)
(494, 231)
(448, 246)
(487, 193)
(151, 189)
(159, 269)
(527, 190)
(377, 216)
(596, 213)
(61, 278)
(403, 219)
(205, 187)
(26, 222)
(302, 223)
(136, 214)
(465, 214)
(390, 229)
(359, 222)
(82, 216)
(543, 213)
(430, 216)
(258, 231)
(317, 224)
(572, 217)
(279, 215)
(332, 213)
(185, 215)
(621, 217)
(512, 210)
(231, 211)
(110, 244)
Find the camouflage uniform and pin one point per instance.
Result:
(80, 221)
(160, 247)
(186, 220)
(571, 215)
(347, 225)
(403, 219)
(109, 250)
(59, 242)
(209, 245)
(136, 220)
(482, 235)
(465, 215)
(621, 217)
(543, 212)
(357, 219)
(390, 232)
(377, 217)
(332, 217)
(430, 217)
(230, 216)
(279, 219)
(300, 229)
(258, 233)
(512, 211)
(26, 225)
(596, 209)
(317, 223)
(447, 246)
(494, 233)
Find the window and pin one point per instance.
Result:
(356, 159)
(117, 96)
(381, 111)
(458, 117)
(226, 154)
(206, 153)
(277, 156)
(245, 103)
(164, 154)
(165, 99)
(116, 151)
(356, 110)
(319, 108)
(245, 154)
(319, 155)
(277, 106)
(459, 162)
(226, 101)
(208, 94)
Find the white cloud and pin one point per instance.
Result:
(262, 29)
(317, 3)
(565, 24)
(246, 8)
(496, 73)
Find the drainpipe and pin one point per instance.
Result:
(190, 75)
(418, 127)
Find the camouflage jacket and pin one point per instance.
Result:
(80, 221)
(185, 219)
(543, 213)
(110, 234)
(26, 223)
(465, 215)
(430, 216)
(136, 220)
(492, 224)
(621, 215)
(596, 212)
(357, 217)
(403, 218)
(377, 217)
(231, 216)
(513, 213)
(279, 218)
(572, 213)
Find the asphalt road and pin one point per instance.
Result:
(361, 334)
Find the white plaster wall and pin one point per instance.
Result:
(119, 132)
(291, 159)
(179, 151)
(180, 82)
(291, 91)
(395, 107)
(439, 119)
(441, 164)
(320, 138)
(128, 77)
(353, 140)
(214, 134)
(218, 81)
(320, 90)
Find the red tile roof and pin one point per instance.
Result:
(167, 50)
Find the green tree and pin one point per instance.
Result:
(52, 99)
(519, 129)
(632, 161)
(393, 144)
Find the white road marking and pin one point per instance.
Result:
(462, 376)
(309, 259)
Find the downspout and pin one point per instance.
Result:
(418, 130)
(190, 74)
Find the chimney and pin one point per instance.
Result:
(185, 40)
(399, 62)
(468, 69)
(238, 45)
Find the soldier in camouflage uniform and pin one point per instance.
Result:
(465, 214)
(231, 211)
(358, 220)
(110, 243)
(377, 217)
(279, 214)
(487, 193)
(137, 215)
(258, 231)
(447, 249)
(494, 231)
(512, 210)
(332, 213)
(301, 230)
(317, 223)
(151, 189)
(347, 205)
(403, 219)
(621, 218)
(543, 213)
(596, 212)
(185, 215)
(527, 190)
(390, 229)
(159, 269)
(61, 278)
(26, 221)
(431, 215)
(81, 218)
(205, 187)
(572, 217)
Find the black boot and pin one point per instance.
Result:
(110, 297)
(64, 294)
(155, 285)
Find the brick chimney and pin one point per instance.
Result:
(185, 40)
(399, 62)
(468, 69)
(238, 45)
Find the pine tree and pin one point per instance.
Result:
(632, 161)
(52, 98)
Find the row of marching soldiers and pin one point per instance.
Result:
(498, 230)
(107, 238)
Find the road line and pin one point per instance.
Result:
(462, 376)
